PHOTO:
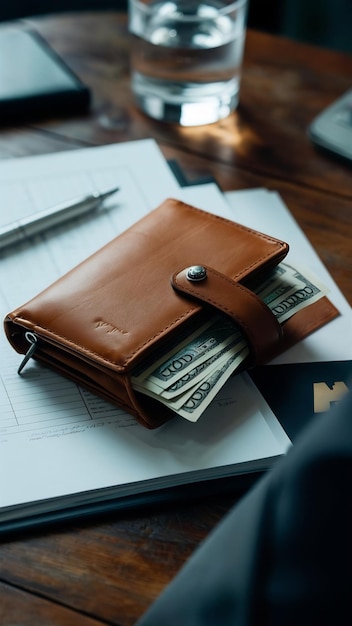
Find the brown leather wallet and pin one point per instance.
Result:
(116, 310)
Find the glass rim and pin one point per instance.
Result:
(147, 8)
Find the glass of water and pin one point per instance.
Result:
(186, 58)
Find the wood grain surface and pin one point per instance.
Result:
(109, 569)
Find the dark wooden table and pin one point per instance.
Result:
(108, 570)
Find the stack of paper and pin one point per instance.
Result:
(60, 446)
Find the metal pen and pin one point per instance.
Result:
(33, 224)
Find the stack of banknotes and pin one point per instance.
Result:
(188, 375)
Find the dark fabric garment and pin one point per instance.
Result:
(283, 555)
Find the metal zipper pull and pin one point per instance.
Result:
(32, 340)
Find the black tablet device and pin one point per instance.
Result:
(34, 80)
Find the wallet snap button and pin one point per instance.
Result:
(196, 272)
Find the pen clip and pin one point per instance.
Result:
(32, 339)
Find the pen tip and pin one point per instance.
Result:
(110, 192)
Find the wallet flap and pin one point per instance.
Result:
(119, 301)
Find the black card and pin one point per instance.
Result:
(298, 392)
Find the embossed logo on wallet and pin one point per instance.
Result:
(110, 328)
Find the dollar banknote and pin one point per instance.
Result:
(192, 403)
(201, 396)
(281, 280)
(305, 290)
(187, 377)
(204, 343)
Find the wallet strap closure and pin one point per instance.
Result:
(251, 314)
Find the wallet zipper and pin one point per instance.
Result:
(33, 341)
